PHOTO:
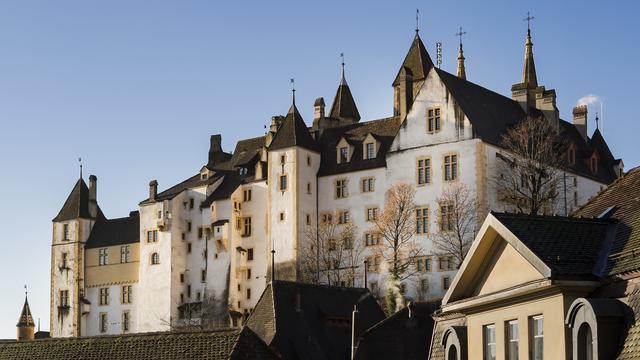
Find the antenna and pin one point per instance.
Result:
(439, 53)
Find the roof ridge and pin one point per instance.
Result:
(556, 217)
(607, 189)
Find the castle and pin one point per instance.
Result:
(243, 218)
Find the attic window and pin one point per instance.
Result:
(204, 176)
(571, 154)
(433, 120)
(593, 163)
(343, 153)
(369, 150)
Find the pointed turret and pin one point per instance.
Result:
(411, 75)
(25, 326)
(344, 106)
(461, 70)
(529, 77)
(293, 132)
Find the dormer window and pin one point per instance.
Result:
(204, 176)
(344, 154)
(593, 163)
(571, 154)
(369, 150)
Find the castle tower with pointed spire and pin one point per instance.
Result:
(25, 327)
(410, 77)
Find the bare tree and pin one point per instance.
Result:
(456, 222)
(530, 175)
(209, 313)
(398, 246)
(330, 255)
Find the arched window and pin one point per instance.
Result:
(585, 342)
(452, 354)
(454, 349)
(155, 259)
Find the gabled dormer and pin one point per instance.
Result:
(370, 147)
(205, 173)
(571, 153)
(344, 151)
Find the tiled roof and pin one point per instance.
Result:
(570, 247)
(312, 321)
(293, 132)
(622, 198)
(400, 336)
(213, 345)
(115, 231)
(77, 204)
(631, 346)
(417, 61)
(384, 130)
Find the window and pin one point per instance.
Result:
(203, 176)
(191, 203)
(152, 236)
(198, 295)
(446, 217)
(308, 160)
(181, 277)
(104, 296)
(433, 120)
(250, 254)
(422, 220)
(585, 342)
(103, 256)
(593, 163)
(189, 226)
(327, 218)
(371, 239)
(373, 263)
(537, 337)
(446, 283)
(125, 321)
(65, 231)
(368, 185)
(489, 342)
(203, 275)
(155, 258)
(423, 264)
(571, 154)
(343, 154)
(64, 260)
(341, 189)
(248, 294)
(188, 248)
(347, 243)
(512, 339)
(424, 171)
(200, 232)
(308, 218)
(451, 167)
(283, 183)
(103, 322)
(188, 290)
(446, 263)
(64, 298)
(283, 159)
(248, 273)
(281, 215)
(343, 217)
(125, 297)
(246, 229)
(424, 284)
(308, 188)
(372, 214)
(370, 150)
(125, 254)
(246, 195)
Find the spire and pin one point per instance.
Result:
(293, 91)
(461, 70)
(344, 106)
(417, 61)
(25, 319)
(529, 77)
(293, 132)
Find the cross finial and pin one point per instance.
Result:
(459, 34)
(342, 58)
(293, 90)
(597, 121)
(25, 290)
(528, 20)
(417, 21)
(80, 162)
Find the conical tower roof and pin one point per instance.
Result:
(417, 61)
(77, 203)
(344, 106)
(25, 316)
(529, 77)
(293, 132)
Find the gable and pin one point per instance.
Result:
(505, 269)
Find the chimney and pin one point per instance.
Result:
(153, 190)
(318, 109)
(406, 92)
(93, 198)
(580, 119)
(215, 149)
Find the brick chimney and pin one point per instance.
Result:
(405, 92)
(318, 109)
(93, 196)
(153, 190)
(580, 119)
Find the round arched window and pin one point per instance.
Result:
(585, 342)
(155, 259)
(452, 354)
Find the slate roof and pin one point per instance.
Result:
(344, 106)
(112, 232)
(25, 319)
(193, 181)
(570, 247)
(384, 130)
(623, 199)
(77, 204)
(307, 321)
(213, 345)
(293, 132)
(400, 336)
(417, 61)
(230, 183)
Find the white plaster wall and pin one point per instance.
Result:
(114, 310)
(282, 233)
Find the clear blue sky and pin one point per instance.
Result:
(136, 87)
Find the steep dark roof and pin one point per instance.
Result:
(312, 321)
(77, 204)
(214, 345)
(383, 130)
(193, 181)
(490, 113)
(417, 61)
(400, 336)
(622, 200)
(112, 232)
(344, 106)
(25, 318)
(230, 183)
(570, 247)
(245, 153)
(293, 132)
